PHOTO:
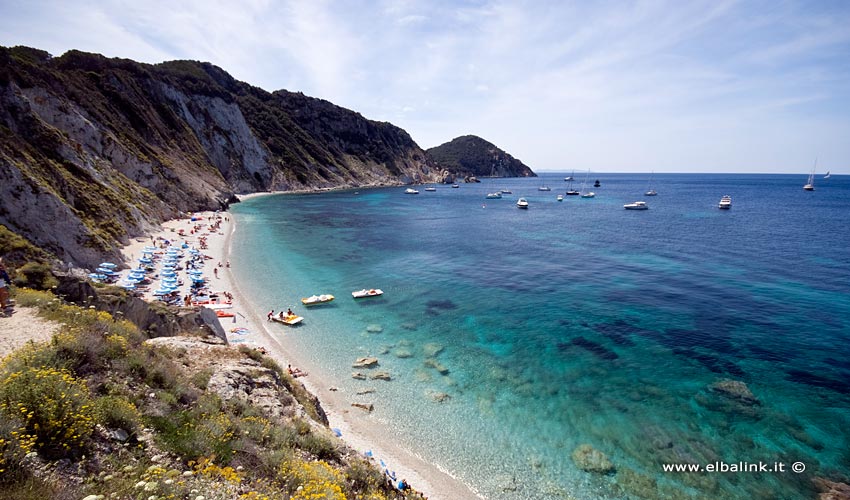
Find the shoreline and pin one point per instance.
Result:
(247, 327)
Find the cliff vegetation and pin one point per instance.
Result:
(101, 411)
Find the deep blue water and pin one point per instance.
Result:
(579, 322)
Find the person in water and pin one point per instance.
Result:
(269, 315)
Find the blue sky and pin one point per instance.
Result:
(669, 86)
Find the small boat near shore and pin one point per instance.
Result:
(317, 299)
(291, 319)
(725, 202)
(372, 292)
(522, 203)
(410, 191)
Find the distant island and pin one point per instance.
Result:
(472, 156)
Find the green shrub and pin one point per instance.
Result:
(54, 407)
(115, 412)
(35, 275)
(15, 443)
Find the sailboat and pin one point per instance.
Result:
(569, 178)
(495, 195)
(570, 190)
(827, 175)
(810, 184)
(586, 194)
(544, 187)
(649, 190)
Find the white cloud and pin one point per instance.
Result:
(618, 86)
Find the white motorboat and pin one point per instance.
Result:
(522, 203)
(638, 205)
(589, 194)
(317, 299)
(725, 202)
(494, 196)
(560, 197)
(372, 292)
(430, 188)
(410, 191)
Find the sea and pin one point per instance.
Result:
(577, 350)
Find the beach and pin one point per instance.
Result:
(248, 327)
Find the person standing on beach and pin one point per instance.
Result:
(5, 283)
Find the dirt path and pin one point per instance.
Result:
(24, 325)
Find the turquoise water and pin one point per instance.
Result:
(578, 322)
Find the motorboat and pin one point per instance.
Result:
(288, 319)
(638, 205)
(725, 202)
(589, 194)
(506, 191)
(317, 299)
(410, 191)
(651, 192)
(372, 292)
(455, 186)
(560, 197)
(494, 196)
(430, 188)
(596, 184)
(522, 203)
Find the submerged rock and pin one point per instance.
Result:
(433, 363)
(367, 362)
(439, 397)
(409, 326)
(374, 328)
(364, 406)
(589, 459)
(831, 490)
(736, 390)
(431, 349)
(382, 375)
(403, 353)
(358, 376)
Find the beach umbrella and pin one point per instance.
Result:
(145, 260)
(169, 274)
(108, 265)
(127, 286)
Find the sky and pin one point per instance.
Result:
(619, 86)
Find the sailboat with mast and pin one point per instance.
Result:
(810, 184)
(586, 194)
(495, 195)
(649, 190)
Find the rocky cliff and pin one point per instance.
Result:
(94, 151)
(470, 155)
